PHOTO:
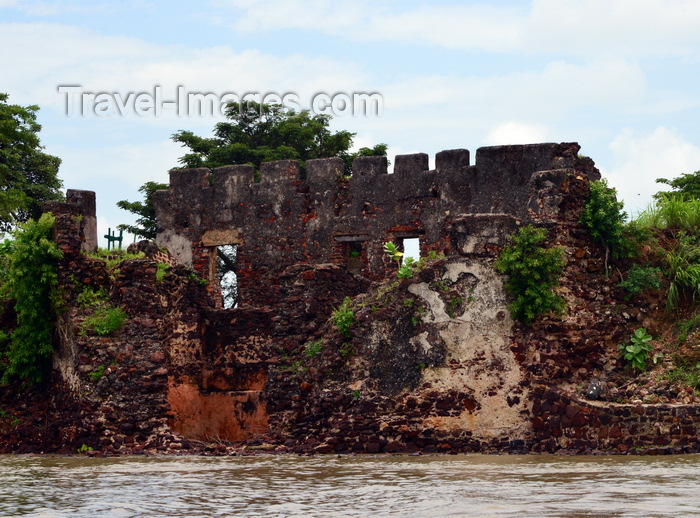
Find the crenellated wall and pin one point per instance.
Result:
(320, 216)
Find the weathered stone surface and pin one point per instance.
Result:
(433, 363)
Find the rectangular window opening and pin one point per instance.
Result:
(226, 256)
(410, 246)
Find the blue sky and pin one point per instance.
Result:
(618, 76)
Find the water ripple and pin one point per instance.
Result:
(285, 486)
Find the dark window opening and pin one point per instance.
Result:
(355, 256)
(226, 256)
(355, 249)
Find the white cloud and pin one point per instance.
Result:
(583, 27)
(639, 159)
(549, 96)
(515, 133)
(101, 63)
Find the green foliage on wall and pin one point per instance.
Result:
(344, 317)
(604, 218)
(641, 278)
(533, 271)
(30, 277)
(104, 321)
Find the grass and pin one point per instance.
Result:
(671, 212)
(685, 327)
(114, 257)
(684, 374)
(684, 271)
(104, 321)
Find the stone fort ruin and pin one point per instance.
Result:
(432, 363)
(322, 216)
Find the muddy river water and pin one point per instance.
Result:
(328, 486)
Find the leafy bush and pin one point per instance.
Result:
(604, 218)
(104, 321)
(406, 269)
(533, 271)
(344, 317)
(637, 352)
(641, 278)
(30, 277)
(393, 252)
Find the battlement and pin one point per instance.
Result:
(448, 163)
(322, 216)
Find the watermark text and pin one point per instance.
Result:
(153, 103)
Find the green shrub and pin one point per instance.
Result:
(638, 351)
(641, 278)
(104, 321)
(97, 374)
(454, 303)
(419, 312)
(604, 218)
(161, 271)
(312, 349)
(91, 297)
(406, 269)
(30, 277)
(533, 271)
(344, 317)
(393, 252)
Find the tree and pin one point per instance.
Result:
(145, 209)
(260, 133)
(687, 184)
(29, 276)
(28, 176)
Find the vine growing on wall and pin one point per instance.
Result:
(30, 277)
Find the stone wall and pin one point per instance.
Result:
(321, 216)
(565, 422)
(432, 363)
